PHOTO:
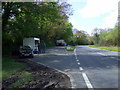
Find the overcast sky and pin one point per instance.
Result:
(90, 14)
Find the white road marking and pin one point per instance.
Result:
(75, 50)
(112, 57)
(72, 81)
(80, 68)
(72, 87)
(76, 56)
(101, 54)
(89, 85)
(75, 53)
(106, 55)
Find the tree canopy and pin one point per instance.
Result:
(106, 37)
(45, 20)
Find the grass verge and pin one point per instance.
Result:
(32, 75)
(116, 49)
(10, 67)
(71, 48)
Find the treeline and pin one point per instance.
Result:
(106, 37)
(100, 37)
(45, 20)
(81, 37)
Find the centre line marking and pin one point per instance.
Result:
(77, 60)
(75, 53)
(76, 57)
(89, 85)
(75, 50)
(80, 68)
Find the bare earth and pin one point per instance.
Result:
(43, 77)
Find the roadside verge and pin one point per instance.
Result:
(69, 48)
(116, 49)
(40, 77)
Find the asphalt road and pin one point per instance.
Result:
(87, 67)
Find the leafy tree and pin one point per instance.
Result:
(107, 37)
(81, 37)
(96, 32)
(46, 20)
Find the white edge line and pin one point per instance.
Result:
(101, 54)
(89, 85)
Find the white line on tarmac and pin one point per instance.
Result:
(75, 50)
(89, 85)
(75, 53)
(76, 56)
(80, 68)
(101, 54)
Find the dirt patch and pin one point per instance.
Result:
(42, 77)
(9, 81)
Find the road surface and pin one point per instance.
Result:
(87, 67)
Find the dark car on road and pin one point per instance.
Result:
(26, 51)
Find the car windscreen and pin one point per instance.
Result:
(25, 49)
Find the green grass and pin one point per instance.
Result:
(71, 48)
(116, 49)
(10, 67)
(24, 78)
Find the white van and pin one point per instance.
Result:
(32, 42)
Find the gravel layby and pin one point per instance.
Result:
(43, 77)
